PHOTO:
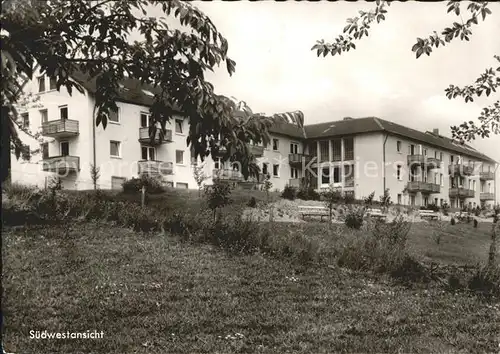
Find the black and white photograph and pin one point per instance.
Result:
(250, 176)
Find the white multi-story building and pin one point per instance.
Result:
(359, 156)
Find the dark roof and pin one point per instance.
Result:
(131, 92)
(373, 124)
(288, 129)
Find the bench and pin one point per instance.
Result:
(424, 214)
(309, 210)
(375, 213)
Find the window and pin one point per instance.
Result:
(26, 120)
(276, 170)
(148, 153)
(265, 168)
(179, 157)
(400, 198)
(313, 149)
(294, 173)
(398, 172)
(349, 175)
(323, 150)
(337, 149)
(336, 174)
(45, 151)
(276, 144)
(114, 117)
(398, 145)
(218, 164)
(145, 120)
(441, 202)
(63, 111)
(441, 156)
(117, 182)
(181, 185)
(349, 149)
(425, 152)
(325, 176)
(44, 114)
(64, 148)
(451, 159)
(53, 84)
(412, 149)
(178, 126)
(441, 180)
(114, 148)
(41, 83)
(294, 148)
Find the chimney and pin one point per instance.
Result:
(435, 131)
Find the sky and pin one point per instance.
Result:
(276, 71)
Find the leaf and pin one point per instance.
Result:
(420, 51)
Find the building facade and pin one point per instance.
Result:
(358, 156)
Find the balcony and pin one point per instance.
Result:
(298, 159)
(486, 196)
(61, 164)
(423, 187)
(146, 139)
(60, 128)
(416, 159)
(155, 168)
(256, 150)
(487, 176)
(294, 182)
(461, 169)
(227, 175)
(432, 162)
(461, 193)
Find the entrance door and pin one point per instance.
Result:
(64, 148)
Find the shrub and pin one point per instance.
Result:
(354, 217)
(369, 200)
(289, 193)
(308, 194)
(432, 207)
(445, 209)
(252, 203)
(452, 221)
(153, 185)
(217, 195)
(486, 281)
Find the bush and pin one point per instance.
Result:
(354, 217)
(452, 221)
(289, 193)
(217, 195)
(252, 203)
(308, 194)
(432, 207)
(486, 281)
(134, 185)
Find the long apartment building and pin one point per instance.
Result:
(359, 156)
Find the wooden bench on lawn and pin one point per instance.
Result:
(375, 213)
(428, 214)
(310, 210)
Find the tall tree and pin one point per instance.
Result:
(489, 119)
(94, 37)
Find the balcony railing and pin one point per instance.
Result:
(433, 162)
(61, 164)
(256, 150)
(298, 159)
(486, 176)
(424, 187)
(294, 182)
(145, 138)
(461, 169)
(60, 128)
(486, 196)
(430, 162)
(155, 168)
(227, 175)
(461, 193)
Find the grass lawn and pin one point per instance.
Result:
(151, 294)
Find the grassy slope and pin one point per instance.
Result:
(150, 294)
